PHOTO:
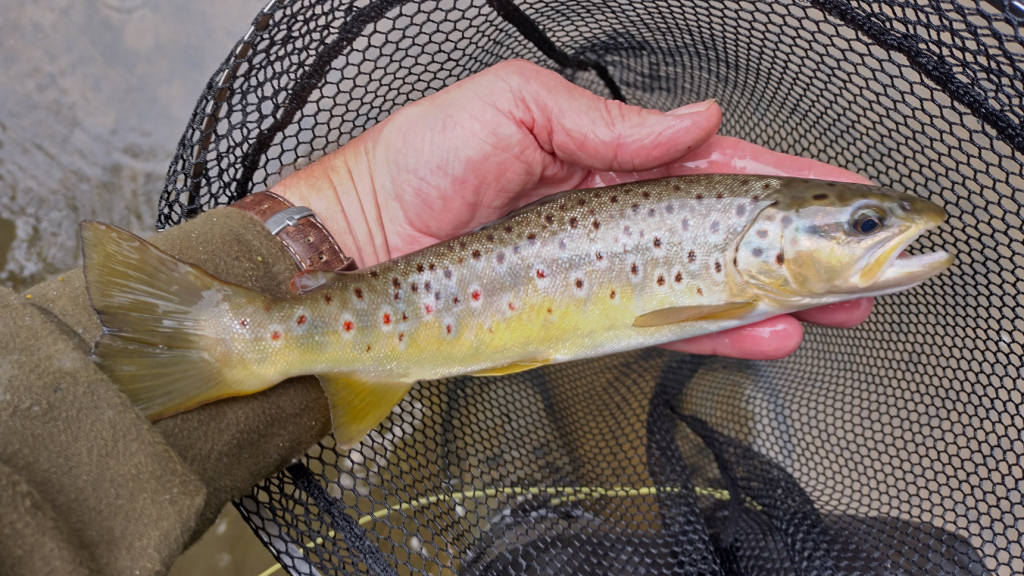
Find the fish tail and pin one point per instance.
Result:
(158, 314)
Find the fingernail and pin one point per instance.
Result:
(692, 108)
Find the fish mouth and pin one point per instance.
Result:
(893, 269)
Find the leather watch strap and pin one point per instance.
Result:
(309, 243)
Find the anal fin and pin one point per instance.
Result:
(358, 406)
(511, 368)
(677, 314)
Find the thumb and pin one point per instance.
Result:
(579, 127)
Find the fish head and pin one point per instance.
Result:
(828, 241)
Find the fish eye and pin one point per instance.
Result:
(867, 222)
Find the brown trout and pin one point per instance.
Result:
(576, 275)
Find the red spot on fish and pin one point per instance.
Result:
(328, 298)
(244, 322)
(387, 319)
(699, 196)
(455, 300)
(720, 195)
(301, 319)
(401, 336)
(579, 284)
(549, 310)
(679, 277)
(275, 335)
(428, 308)
(541, 273)
(475, 295)
(448, 328)
(780, 259)
(348, 325)
(358, 292)
(367, 347)
(700, 291)
(612, 295)
(511, 306)
(404, 316)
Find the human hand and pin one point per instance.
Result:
(514, 133)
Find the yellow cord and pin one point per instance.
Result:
(569, 493)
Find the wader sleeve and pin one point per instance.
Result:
(87, 484)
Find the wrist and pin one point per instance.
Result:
(339, 190)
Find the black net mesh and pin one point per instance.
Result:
(892, 448)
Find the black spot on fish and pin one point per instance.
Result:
(720, 195)
(635, 208)
(598, 256)
(627, 230)
(426, 285)
(374, 274)
(762, 233)
(612, 295)
(676, 188)
(820, 197)
(670, 208)
(657, 242)
(579, 284)
(699, 196)
(490, 237)
(650, 212)
(646, 195)
(531, 237)
(358, 292)
(455, 300)
(634, 269)
(691, 257)
(718, 267)
(476, 254)
(661, 279)
(462, 244)
(780, 259)
(700, 291)
(741, 211)
(437, 296)
(549, 218)
(419, 267)
(582, 201)
(415, 287)
(757, 252)
(714, 227)
(500, 257)
(430, 266)
(562, 245)
(596, 224)
(685, 223)
(396, 283)
(786, 221)
(830, 184)
(448, 273)
(679, 277)
(613, 199)
(573, 222)
(508, 228)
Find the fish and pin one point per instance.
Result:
(579, 274)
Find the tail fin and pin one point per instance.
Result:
(157, 343)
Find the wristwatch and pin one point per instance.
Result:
(307, 240)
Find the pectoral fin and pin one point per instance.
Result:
(511, 368)
(357, 406)
(309, 280)
(675, 315)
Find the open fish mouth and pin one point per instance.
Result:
(901, 270)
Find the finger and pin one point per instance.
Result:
(722, 154)
(840, 315)
(581, 128)
(766, 340)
